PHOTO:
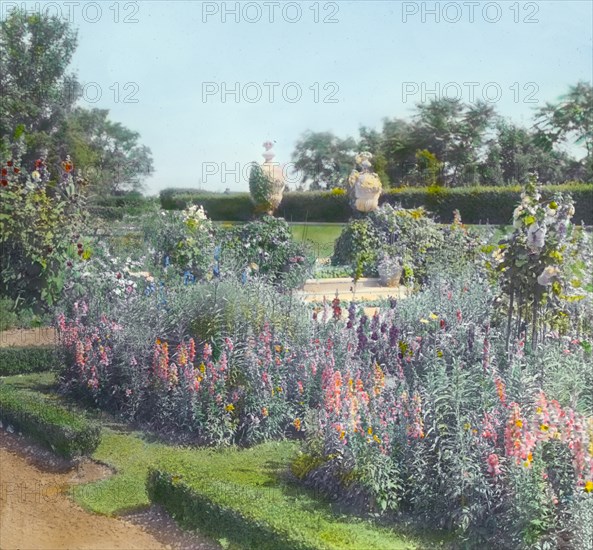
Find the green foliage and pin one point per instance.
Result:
(493, 205)
(243, 498)
(21, 360)
(409, 238)
(184, 240)
(39, 224)
(323, 160)
(67, 433)
(358, 246)
(260, 188)
(267, 247)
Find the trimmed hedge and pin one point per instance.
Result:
(67, 433)
(115, 207)
(492, 205)
(24, 360)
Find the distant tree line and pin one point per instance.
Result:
(452, 144)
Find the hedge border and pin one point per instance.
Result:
(493, 205)
(69, 434)
(194, 510)
(25, 360)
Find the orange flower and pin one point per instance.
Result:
(264, 412)
(297, 424)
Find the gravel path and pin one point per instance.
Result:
(37, 514)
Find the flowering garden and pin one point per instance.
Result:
(466, 407)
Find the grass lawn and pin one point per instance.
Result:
(320, 236)
(240, 497)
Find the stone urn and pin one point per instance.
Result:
(390, 269)
(365, 185)
(275, 174)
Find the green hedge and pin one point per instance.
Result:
(67, 433)
(23, 360)
(115, 207)
(492, 205)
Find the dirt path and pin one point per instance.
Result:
(45, 336)
(36, 514)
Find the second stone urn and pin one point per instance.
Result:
(364, 186)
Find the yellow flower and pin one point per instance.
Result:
(544, 427)
(202, 368)
(433, 316)
(377, 440)
(539, 410)
(467, 426)
(370, 431)
(589, 486)
(425, 321)
(342, 434)
(519, 423)
(230, 407)
(278, 348)
(439, 353)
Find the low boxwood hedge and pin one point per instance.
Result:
(23, 360)
(492, 205)
(67, 433)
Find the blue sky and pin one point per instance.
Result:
(519, 54)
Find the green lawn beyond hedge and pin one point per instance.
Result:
(493, 205)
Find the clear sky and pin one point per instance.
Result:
(203, 73)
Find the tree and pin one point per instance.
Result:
(515, 152)
(36, 90)
(38, 99)
(569, 120)
(323, 159)
(107, 153)
(454, 133)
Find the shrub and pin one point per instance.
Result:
(39, 222)
(266, 246)
(16, 360)
(410, 234)
(67, 433)
(493, 205)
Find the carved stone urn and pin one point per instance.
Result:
(364, 186)
(275, 174)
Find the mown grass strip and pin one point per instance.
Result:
(69, 434)
(241, 493)
(24, 360)
(237, 496)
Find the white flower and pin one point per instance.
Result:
(548, 275)
(536, 237)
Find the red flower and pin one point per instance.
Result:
(4, 183)
(16, 170)
(9, 163)
(442, 323)
(79, 245)
(38, 163)
(67, 166)
(4, 171)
